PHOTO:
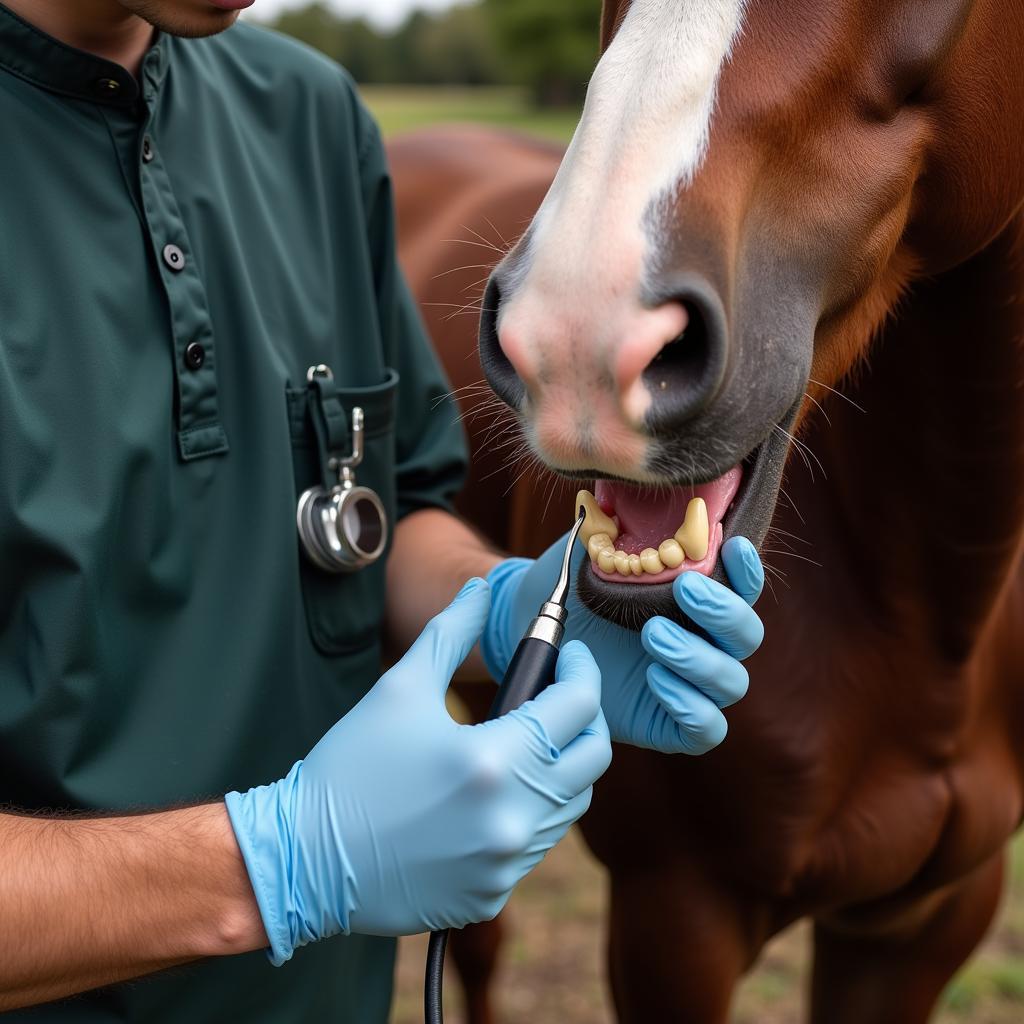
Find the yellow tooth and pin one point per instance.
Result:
(671, 554)
(693, 534)
(606, 560)
(650, 561)
(596, 521)
(622, 563)
(597, 544)
(635, 565)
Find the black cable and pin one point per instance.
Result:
(433, 1004)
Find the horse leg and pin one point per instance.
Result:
(892, 970)
(677, 946)
(475, 950)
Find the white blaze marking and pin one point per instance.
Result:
(573, 315)
(643, 134)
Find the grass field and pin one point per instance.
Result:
(553, 971)
(401, 108)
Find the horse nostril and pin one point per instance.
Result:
(686, 373)
(497, 366)
(681, 363)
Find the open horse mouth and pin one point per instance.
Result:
(645, 535)
(640, 537)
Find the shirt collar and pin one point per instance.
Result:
(31, 54)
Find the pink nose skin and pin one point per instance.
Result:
(583, 371)
(563, 355)
(650, 332)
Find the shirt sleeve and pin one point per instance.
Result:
(431, 452)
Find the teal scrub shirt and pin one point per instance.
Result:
(175, 252)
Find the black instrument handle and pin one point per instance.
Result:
(530, 672)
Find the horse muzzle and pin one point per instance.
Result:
(683, 427)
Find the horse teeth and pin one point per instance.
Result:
(650, 561)
(693, 536)
(671, 554)
(597, 544)
(596, 522)
(600, 531)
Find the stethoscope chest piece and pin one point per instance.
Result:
(345, 527)
(342, 530)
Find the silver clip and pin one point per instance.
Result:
(320, 370)
(344, 466)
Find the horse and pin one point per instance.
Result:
(781, 264)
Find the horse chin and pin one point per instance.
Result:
(630, 605)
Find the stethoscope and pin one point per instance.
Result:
(344, 527)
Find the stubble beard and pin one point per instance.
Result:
(181, 17)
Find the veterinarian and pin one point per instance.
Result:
(191, 219)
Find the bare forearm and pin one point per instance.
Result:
(433, 555)
(88, 902)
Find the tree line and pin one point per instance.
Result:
(548, 46)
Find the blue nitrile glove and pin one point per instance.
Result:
(662, 688)
(400, 820)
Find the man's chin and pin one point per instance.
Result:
(187, 19)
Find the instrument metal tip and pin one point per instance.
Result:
(560, 594)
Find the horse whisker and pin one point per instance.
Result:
(792, 554)
(470, 241)
(792, 504)
(820, 407)
(786, 533)
(483, 238)
(845, 398)
(805, 451)
(469, 266)
(504, 241)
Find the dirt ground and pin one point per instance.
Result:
(553, 972)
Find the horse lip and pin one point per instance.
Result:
(754, 505)
(776, 442)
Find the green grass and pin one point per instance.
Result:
(403, 108)
(989, 983)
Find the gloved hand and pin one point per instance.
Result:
(400, 820)
(662, 688)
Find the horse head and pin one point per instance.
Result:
(751, 188)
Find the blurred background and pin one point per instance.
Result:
(519, 63)
(525, 64)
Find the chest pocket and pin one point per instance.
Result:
(345, 610)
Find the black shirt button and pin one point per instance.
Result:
(108, 86)
(195, 356)
(147, 149)
(174, 257)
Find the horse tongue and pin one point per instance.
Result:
(646, 515)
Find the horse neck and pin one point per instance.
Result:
(928, 482)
